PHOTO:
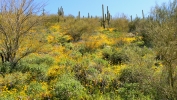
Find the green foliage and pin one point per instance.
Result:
(15, 80)
(143, 31)
(115, 56)
(36, 66)
(162, 31)
(67, 87)
(121, 24)
(35, 90)
(5, 67)
(129, 91)
(63, 39)
(134, 25)
(76, 28)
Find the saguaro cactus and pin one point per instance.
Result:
(103, 17)
(108, 16)
(60, 13)
(43, 12)
(131, 18)
(78, 15)
(142, 14)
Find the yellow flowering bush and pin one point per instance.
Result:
(50, 39)
(55, 71)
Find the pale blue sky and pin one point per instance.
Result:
(94, 7)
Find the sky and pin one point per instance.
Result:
(94, 7)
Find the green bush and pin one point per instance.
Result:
(36, 66)
(115, 57)
(63, 39)
(77, 28)
(5, 68)
(67, 87)
(130, 91)
(35, 90)
(14, 80)
(120, 24)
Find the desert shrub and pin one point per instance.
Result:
(142, 30)
(133, 25)
(118, 58)
(115, 56)
(69, 62)
(146, 39)
(5, 68)
(36, 66)
(37, 59)
(127, 76)
(96, 77)
(134, 83)
(14, 80)
(137, 75)
(80, 73)
(50, 19)
(76, 28)
(120, 24)
(12, 86)
(55, 72)
(37, 90)
(99, 64)
(88, 47)
(130, 92)
(67, 87)
(63, 39)
(97, 41)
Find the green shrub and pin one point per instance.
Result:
(115, 57)
(14, 80)
(127, 76)
(36, 66)
(130, 91)
(120, 24)
(5, 68)
(67, 87)
(63, 39)
(77, 28)
(35, 90)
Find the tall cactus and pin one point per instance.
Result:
(131, 18)
(43, 12)
(108, 16)
(103, 17)
(79, 15)
(142, 14)
(60, 13)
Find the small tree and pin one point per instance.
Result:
(19, 37)
(162, 30)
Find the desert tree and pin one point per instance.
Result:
(18, 32)
(163, 33)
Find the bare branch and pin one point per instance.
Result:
(18, 19)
